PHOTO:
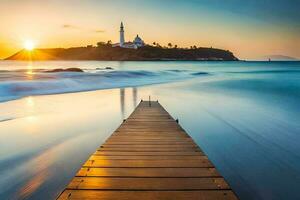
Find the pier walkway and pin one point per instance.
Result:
(148, 157)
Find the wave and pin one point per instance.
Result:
(279, 71)
(200, 73)
(20, 83)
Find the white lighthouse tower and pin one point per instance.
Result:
(135, 44)
(122, 37)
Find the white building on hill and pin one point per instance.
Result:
(137, 42)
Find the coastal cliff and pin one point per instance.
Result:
(107, 52)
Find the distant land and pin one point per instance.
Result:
(279, 58)
(105, 52)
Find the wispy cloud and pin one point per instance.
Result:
(99, 31)
(69, 26)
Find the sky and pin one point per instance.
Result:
(250, 29)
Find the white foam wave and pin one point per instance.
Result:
(17, 84)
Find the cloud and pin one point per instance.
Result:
(99, 31)
(69, 26)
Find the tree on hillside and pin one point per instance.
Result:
(170, 45)
(109, 43)
(100, 44)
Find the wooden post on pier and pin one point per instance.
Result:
(148, 157)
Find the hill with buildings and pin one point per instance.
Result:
(105, 51)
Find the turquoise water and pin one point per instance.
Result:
(244, 115)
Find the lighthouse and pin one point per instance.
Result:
(135, 44)
(122, 38)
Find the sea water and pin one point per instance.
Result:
(244, 115)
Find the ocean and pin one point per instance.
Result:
(244, 115)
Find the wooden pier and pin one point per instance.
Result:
(148, 157)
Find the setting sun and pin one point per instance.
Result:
(29, 45)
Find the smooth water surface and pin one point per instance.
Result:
(244, 115)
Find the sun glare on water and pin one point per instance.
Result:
(29, 45)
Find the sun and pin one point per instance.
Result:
(29, 45)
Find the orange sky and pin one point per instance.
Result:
(249, 34)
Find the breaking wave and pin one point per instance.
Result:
(19, 83)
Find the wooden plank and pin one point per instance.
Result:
(148, 157)
(149, 172)
(153, 157)
(148, 163)
(131, 139)
(102, 183)
(147, 195)
(150, 135)
(148, 142)
(150, 146)
(158, 138)
(148, 153)
(150, 149)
